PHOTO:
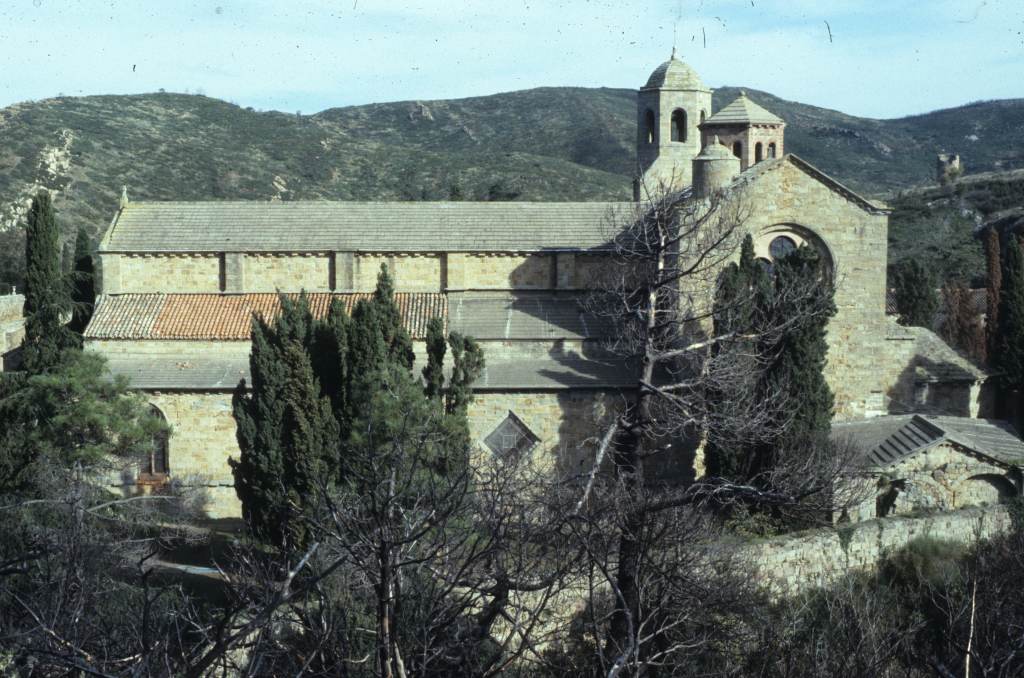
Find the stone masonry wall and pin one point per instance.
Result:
(419, 273)
(343, 272)
(568, 423)
(531, 271)
(203, 435)
(202, 440)
(798, 562)
(177, 273)
(856, 240)
(288, 273)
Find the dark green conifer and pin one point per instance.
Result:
(797, 372)
(738, 309)
(1009, 357)
(390, 318)
(433, 372)
(916, 298)
(467, 364)
(83, 294)
(286, 431)
(47, 302)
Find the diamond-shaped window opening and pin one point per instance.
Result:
(511, 436)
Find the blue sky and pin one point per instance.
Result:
(885, 58)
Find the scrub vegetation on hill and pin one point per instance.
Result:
(540, 144)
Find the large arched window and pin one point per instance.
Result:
(155, 466)
(758, 152)
(649, 126)
(679, 125)
(737, 149)
(779, 241)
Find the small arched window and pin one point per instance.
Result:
(156, 465)
(649, 126)
(771, 150)
(758, 152)
(781, 247)
(679, 125)
(737, 149)
(703, 116)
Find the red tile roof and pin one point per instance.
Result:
(228, 316)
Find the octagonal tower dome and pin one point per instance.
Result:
(670, 108)
(674, 74)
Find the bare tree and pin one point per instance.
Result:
(691, 384)
(79, 593)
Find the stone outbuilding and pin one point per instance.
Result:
(919, 463)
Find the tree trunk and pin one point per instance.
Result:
(629, 470)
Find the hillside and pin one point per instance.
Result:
(541, 144)
(936, 224)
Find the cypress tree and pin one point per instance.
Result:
(83, 294)
(286, 431)
(433, 372)
(390, 318)
(314, 387)
(739, 300)
(798, 369)
(308, 444)
(916, 301)
(46, 294)
(330, 357)
(1010, 354)
(993, 288)
(467, 364)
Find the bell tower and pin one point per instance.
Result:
(670, 108)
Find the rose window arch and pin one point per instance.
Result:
(777, 241)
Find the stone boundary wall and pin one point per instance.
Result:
(792, 563)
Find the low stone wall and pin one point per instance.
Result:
(805, 560)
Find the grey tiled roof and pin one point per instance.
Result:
(937, 361)
(889, 440)
(743, 110)
(524, 316)
(148, 372)
(323, 226)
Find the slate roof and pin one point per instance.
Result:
(324, 226)
(889, 440)
(525, 316)
(675, 74)
(553, 372)
(937, 361)
(228, 316)
(743, 110)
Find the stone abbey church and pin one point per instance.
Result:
(181, 280)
